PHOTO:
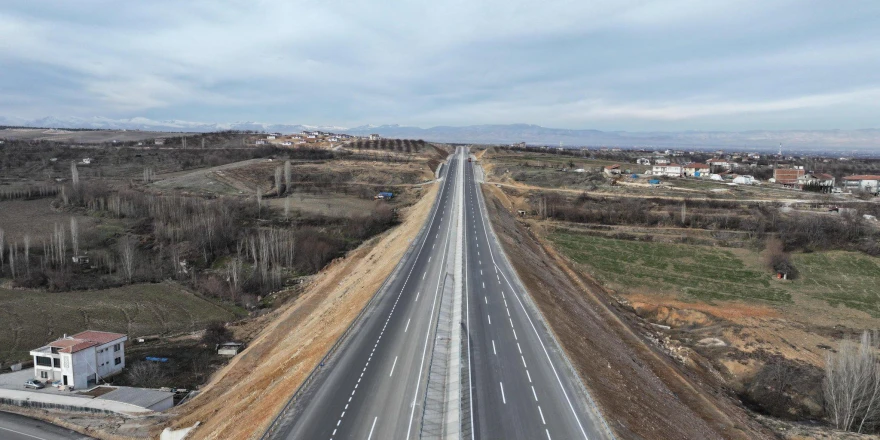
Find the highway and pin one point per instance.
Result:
(373, 386)
(17, 427)
(522, 388)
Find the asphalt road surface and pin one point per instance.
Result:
(521, 386)
(16, 427)
(374, 385)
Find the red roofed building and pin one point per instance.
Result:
(865, 182)
(80, 360)
(612, 170)
(788, 176)
(696, 169)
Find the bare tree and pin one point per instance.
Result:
(279, 187)
(259, 200)
(286, 215)
(74, 174)
(287, 176)
(2, 245)
(27, 253)
(852, 385)
(146, 374)
(127, 257)
(74, 235)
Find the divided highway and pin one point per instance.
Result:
(521, 385)
(374, 385)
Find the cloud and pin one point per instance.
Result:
(631, 62)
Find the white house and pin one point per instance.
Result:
(287, 143)
(661, 161)
(261, 142)
(81, 360)
(671, 170)
(375, 137)
(716, 165)
(86, 161)
(643, 161)
(270, 137)
(867, 183)
(696, 170)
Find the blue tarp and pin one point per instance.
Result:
(386, 195)
(635, 176)
(654, 181)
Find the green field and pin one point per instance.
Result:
(847, 278)
(715, 273)
(29, 319)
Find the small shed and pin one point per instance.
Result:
(229, 348)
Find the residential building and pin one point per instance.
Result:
(694, 169)
(643, 161)
(718, 165)
(270, 137)
(612, 170)
(261, 142)
(81, 360)
(670, 170)
(821, 181)
(375, 137)
(287, 143)
(868, 183)
(788, 176)
(661, 161)
(159, 141)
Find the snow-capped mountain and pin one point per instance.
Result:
(146, 124)
(816, 140)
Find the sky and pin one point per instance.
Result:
(608, 65)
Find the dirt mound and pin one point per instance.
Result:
(671, 316)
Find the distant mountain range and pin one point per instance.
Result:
(865, 140)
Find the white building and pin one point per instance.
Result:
(81, 360)
(643, 161)
(867, 183)
(671, 170)
(375, 137)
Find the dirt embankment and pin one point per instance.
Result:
(641, 391)
(242, 399)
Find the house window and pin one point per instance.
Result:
(116, 347)
(117, 361)
(44, 361)
(56, 363)
(44, 375)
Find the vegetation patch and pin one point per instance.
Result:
(32, 318)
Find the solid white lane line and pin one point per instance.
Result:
(417, 294)
(529, 375)
(548, 434)
(484, 285)
(371, 428)
(542, 415)
(392, 367)
(21, 433)
(503, 399)
(490, 319)
(518, 348)
(407, 325)
(487, 299)
(493, 348)
(534, 393)
(429, 259)
(424, 275)
(524, 361)
(481, 272)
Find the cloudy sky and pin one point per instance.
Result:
(609, 65)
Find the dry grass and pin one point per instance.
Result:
(242, 399)
(17, 218)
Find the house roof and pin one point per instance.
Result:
(84, 340)
(698, 166)
(863, 177)
(98, 336)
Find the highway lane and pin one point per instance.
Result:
(18, 427)
(521, 386)
(373, 386)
